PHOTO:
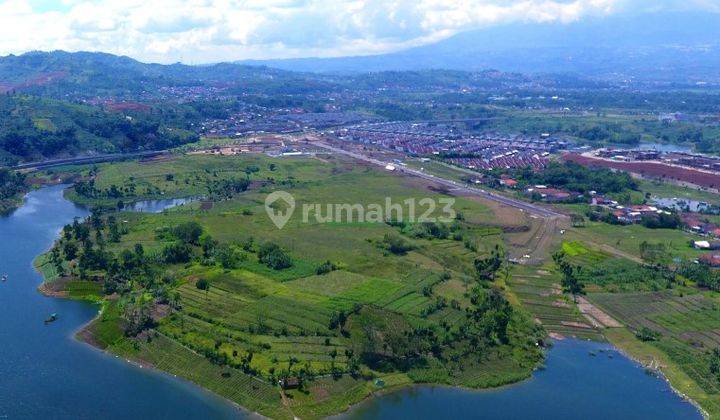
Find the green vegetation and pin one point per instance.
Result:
(238, 302)
(600, 271)
(539, 290)
(32, 128)
(701, 274)
(573, 177)
(12, 186)
(629, 238)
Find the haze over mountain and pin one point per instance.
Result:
(662, 46)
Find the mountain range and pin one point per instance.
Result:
(665, 46)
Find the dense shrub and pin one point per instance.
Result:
(274, 257)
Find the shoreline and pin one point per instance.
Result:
(664, 378)
(83, 334)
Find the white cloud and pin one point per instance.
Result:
(199, 31)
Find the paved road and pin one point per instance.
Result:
(522, 205)
(87, 159)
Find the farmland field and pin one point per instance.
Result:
(246, 324)
(540, 292)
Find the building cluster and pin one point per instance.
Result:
(277, 120)
(483, 151)
(550, 194)
(700, 226)
(627, 214)
(690, 160)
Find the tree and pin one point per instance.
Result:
(397, 244)
(251, 169)
(208, 245)
(577, 220)
(487, 267)
(274, 257)
(139, 252)
(188, 232)
(570, 281)
(136, 316)
(203, 284)
(229, 257)
(325, 268)
(177, 252)
(70, 250)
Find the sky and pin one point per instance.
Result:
(208, 31)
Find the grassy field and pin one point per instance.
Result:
(265, 324)
(666, 190)
(628, 238)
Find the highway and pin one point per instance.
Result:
(511, 202)
(86, 159)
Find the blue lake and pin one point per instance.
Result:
(574, 385)
(46, 373)
(157, 206)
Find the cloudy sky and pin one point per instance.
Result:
(203, 31)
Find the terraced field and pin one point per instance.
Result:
(402, 316)
(540, 292)
(252, 393)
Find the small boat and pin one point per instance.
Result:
(52, 318)
(4, 277)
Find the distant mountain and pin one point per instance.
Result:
(661, 46)
(93, 75)
(63, 74)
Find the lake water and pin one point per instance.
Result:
(157, 206)
(660, 147)
(574, 385)
(46, 373)
(683, 204)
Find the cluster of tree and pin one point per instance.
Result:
(12, 184)
(715, 363)
(573, 177)
(487, 267)
(396, 244)
(646, 334)
(274, 257)
(82, 249)
(661, 221)
(571, 282)
(33, 128)
(88, 189)
(227, 188)
(619, 274)
(703, 275)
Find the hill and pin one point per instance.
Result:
(33, 128)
